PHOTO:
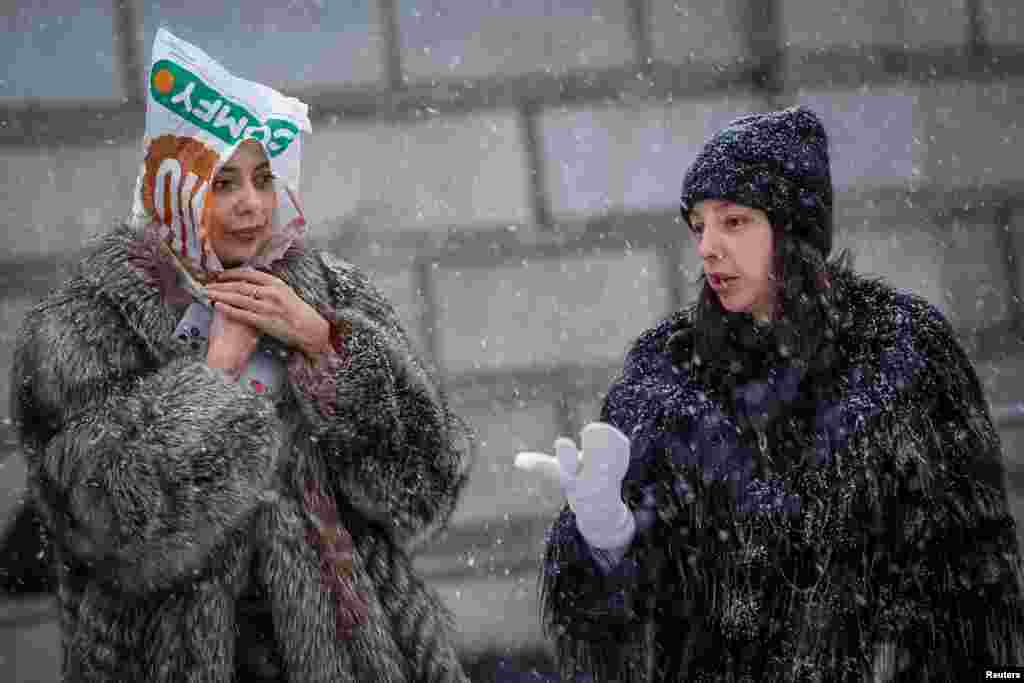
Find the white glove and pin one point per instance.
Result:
(591, 482)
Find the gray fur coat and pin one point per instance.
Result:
(174, 497)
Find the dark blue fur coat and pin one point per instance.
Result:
(849, 525)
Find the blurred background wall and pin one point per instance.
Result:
(508, 171)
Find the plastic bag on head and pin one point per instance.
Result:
(197, 114)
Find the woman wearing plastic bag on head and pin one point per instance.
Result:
(232, 444)
(797, 478)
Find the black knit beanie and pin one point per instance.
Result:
(777, 162)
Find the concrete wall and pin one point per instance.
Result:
(526, 246)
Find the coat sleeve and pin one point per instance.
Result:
(598, 621)
(422, 624)
(140, 469)
(602, 622)
(382, 426)
(966, 529)
(939, 565)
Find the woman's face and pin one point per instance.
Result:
(240, 206)
(735, 244)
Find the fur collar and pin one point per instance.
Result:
(126, 268)
(667, 411)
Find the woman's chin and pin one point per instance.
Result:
(239, 255)
(233, 259)
(731, 303)
(736, 307)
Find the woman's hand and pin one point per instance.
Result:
(265, 303)
(592, 482)
(231, 344)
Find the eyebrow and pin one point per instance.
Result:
(231, 168)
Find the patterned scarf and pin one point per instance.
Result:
(334, 544)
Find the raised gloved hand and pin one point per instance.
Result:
(591, 482)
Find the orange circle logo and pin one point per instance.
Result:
(163, 81)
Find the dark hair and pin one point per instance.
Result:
(725, 349)
(777, 162)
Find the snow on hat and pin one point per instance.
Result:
(777, 162)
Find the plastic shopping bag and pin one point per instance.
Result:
(197, 114)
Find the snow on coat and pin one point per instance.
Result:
(179, 502)
(862, 534)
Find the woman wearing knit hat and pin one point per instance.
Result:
(795, 479)
(229, 438)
